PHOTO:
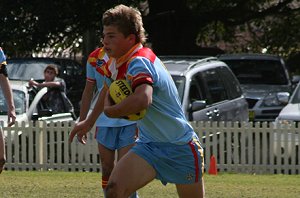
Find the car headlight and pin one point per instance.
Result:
(276, 99)
(282, 124)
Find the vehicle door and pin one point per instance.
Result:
(42, 109)
(208, 97)
(238, 106)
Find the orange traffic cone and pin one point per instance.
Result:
(213, 166)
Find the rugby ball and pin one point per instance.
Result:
(119, 90)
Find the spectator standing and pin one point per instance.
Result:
(56, 98)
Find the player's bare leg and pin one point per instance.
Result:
(2, 162)
(2, 150)
(121, 153)
(191, 190)
(130, 174)
(107, 157)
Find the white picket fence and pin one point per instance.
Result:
(251, 147)
(238, 147)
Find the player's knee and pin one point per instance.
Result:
(113, 189)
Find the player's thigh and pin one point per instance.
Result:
(195, 190)
(122, 151)
(132, 172)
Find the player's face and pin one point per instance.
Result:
(115, 43)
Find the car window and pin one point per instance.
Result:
(258, 71)
(296, 96)
(70, 68)
(26, 70)
(214, 86)
(232, 85)
(195, 91)
(180, 84)
(19, 101)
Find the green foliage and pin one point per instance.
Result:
(30, 26)
(173, 26)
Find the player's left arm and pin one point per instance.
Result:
(139, 100)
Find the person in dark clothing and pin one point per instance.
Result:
(55, 99)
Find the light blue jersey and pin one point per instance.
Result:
(164, 120)
(2, 57)
(94, 76)
(165, 138)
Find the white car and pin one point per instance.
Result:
(291, 112)
(288, 115)
(28, 103)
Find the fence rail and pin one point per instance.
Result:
(238, 147)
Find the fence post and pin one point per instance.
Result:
(41, 143)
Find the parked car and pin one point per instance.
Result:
(291, 112)
(265, 82)
(288, 140)
(30, 106)
(207, 88)
(33, 68)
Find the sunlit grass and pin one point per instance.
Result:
(83, 184)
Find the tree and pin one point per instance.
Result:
(173, 26)
(55, 26)
(182, 26)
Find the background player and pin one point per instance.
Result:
(111, 134)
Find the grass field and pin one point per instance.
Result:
(83, 184)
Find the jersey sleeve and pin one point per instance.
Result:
(3, 69)
(2, 57)
(141, 71)
(90, 73)
(96, 60)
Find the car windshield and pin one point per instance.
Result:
(296, 96)
(180, 83)
(19, 101)
(258, 71)
(26, 69)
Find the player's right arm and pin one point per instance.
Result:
(86, 122)
(81, 128)
(89, 88)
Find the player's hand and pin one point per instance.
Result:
(80, 130)
(11, 118)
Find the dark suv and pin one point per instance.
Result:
(208, 89)
(33, 68)
(265, 81)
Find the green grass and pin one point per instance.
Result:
(83, 184)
